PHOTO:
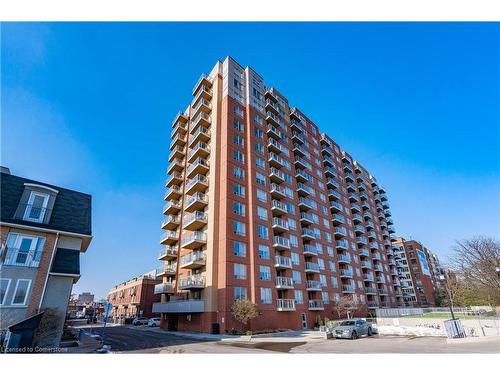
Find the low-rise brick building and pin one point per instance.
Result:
(134, 297)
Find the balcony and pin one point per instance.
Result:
(328, 162)
(364, 252)
(313, 285)
(366, 264)
(172, 207)
(278, 208)
(201, 135)
(285, 305)
(336, 207)
(338, 219)
(192, 282)
(332, 194)
(351, 188)
(178, 140)
(199, 166)
(275, 160)
(281, 262)
(332, 184)
(310, 250)
(344, 258)
(177, 165)
(361, 240)
(308, 234)
(378, 268)
(170, 270)
(183, 306)
(369, 225)
(274, 146)
(355, 208)
(197, 184)
(193, 260)
(272, 118)
(376, 256)
(24, 258)
(330, 172)
(279, 225)
(391, 229)
(359, 229)
(169, 237)
(365, 205)
(275, 175)
(342, 244)
(349, 177)
(201, 150)
(177, 152)
(306, 218)
(180, 120)
(306, 204)
(297, 137)
(326, 150)
(196, 202)
(201, 120)
(370, 290)
(303, 189)
(284, 282)
(383, 291)
(195, 220)
(357, 219)
(171, 222)
(194, 240)
(339, 232)
(277, 191)
(174, 192)
(169, 253)
(164, 288)
(315, 304)
(175, 178)
(368, 277)
(299, 150)
(311, 267)
(281, 243)
(345, 273)
(373, 305)
(272, 131)
(372, 234)
(302, 163)
(301, 175)
(201, 104)
(347, 289)
(348, 167)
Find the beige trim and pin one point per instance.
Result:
(42, 187)
(48, 271)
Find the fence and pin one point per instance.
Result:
(398, 312)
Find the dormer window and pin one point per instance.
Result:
(36, 207)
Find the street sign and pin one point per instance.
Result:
(107, 310)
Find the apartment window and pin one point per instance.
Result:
(238, 208)
(296, 277)
(299, 297)
(331, 265)
(260, 163)
(36, 207)
(261, 213)
(261, 195)
(237, 125)
(328, 237)
(334, 281)
(238, 111)
(240, 293)
(362, 298)
(263, 252)
(240, 271)
(258, 133)
(238, 140)
(265, 295)
(239, 249)
(257, 119)
(321, 264)
(360, 285)
(238, 228)
(329, 250)
(295, 258)
(238, 156)
(21, 292)
(294, 242)
(4, 288)
(238, 173)
(326, 223)
(260, 179)
(265, 273)
(322, 280)
(259, 147)
(239, 190)
(23, 250)
(292, 224)
(324, 297)
(262, 232)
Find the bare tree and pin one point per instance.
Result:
(244, 310)
(346, 305)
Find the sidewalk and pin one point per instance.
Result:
(472, 340)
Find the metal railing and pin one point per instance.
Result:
(21, 258)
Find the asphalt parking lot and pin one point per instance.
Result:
(125, 339)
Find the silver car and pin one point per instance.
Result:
(352, 329)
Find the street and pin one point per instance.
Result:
(128, 339)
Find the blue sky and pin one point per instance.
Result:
(89, 106)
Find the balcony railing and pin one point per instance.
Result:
(284, 282)
(164, 288)
(192, 257)
(281, 242)
(342, 244)
(281, 261)
(313, 284)
(191, 282)
(285, 304)
(344, 258)
(315, 304)
(194, 237)
(311, 267)
(347, 289)
(21, 258)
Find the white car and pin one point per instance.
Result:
(154, 322)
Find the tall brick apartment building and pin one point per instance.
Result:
(261, 206)
(416, 272)
(44, 228)
(134, 297)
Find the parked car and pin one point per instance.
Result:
(352, 329)
(154, 322)
(140, 321)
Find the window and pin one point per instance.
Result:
(334, 281)
(299, 297)
(238, 140)
(238, 208)
(237, 125)
(265, 295)
(260, 179)
(4, 288)
(265, 273)
(261, 213)
(238, 111)
(263, 252)
(257, 119)
(238, 228)
(238, 173)
(322, 280)
(260, 163)
(259, 147)
(258, 133)
(239, 249)
(294, 242)
(240, 271)
(292, 224)
(23, 250)
(324, 297)
(240, 293)
(239, 190)
(321, 264)
(21, 292)
(295, 258)
(261, 195)
(36, 207)
(296, 277)
(263, 232)
(238, 156)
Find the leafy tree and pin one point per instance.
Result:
(244, 311)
